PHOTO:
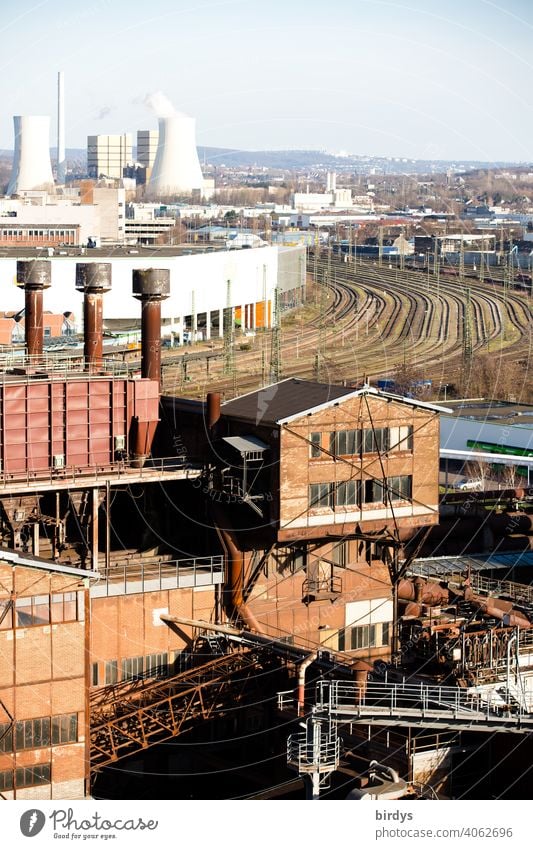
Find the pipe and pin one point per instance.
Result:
(428, 592)
(234, 577)
(34, 276)
(302, 668)
(93, 279)
(213, 409)
(150, 287)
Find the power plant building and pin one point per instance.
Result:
(108, 156)
(147, 141)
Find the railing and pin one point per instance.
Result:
(322, 586)
(131, 578)
(307, 755)
(400, 698)
(121, 470)
(489, 586)
(57, 367)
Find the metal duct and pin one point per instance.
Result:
(93, 279)
(34, 276)
(150, 287)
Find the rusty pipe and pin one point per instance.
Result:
(34, 276)
(429, 593)
(150, 287)
(234, 574)
(302, 668)
(213, 409)
(93, 279)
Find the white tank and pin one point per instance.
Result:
(32, 168)
(177, 167)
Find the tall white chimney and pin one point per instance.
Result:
(61, 163)
(177, 167)
(31, 164)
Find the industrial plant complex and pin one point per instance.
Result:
(266, 451)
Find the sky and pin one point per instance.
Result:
(422, 79)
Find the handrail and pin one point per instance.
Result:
(199, 571)
(393, 698)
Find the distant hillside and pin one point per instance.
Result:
(286, 160)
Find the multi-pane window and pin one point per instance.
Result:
(132, 667)
(364, 636)
(316, 442)
(321, 495)
(156, 664)
(401, 438)
(339, 553)
(345, 442)
(346, 494)
(373, 491)
(376, 439)
(30, 776)
(400, 487)
(111, 672)
(39, 733)
(6, 614)
(41, 610)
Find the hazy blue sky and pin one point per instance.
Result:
(447, 79)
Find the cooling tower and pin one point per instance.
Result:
(31, 163)
(176, 168)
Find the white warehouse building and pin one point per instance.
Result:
(199, 287)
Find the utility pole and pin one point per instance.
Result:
(467, 327)
(229, 334)
(319, 357)
(275, 351)
(380, 247)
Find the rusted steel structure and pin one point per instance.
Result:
(93, 279)
(34, 276)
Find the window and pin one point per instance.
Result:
(64, 729)
(157, 664)
(95, 677)
(401, 438)
(6, 614)
(376, 440)
(385, 633)
(346, 495)
(363, 637)
(345, 442)
(400, 487)
(111, 671)
(321, 495)
(132, 667)
(34, 610)
(339, 553)
(6, 780)
(6, 737)
(373, 491)
(29, 776)
(316, 441)
(64, 607)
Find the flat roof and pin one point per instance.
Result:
(19, 558)
(491, 411)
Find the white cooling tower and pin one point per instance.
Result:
(31, 164)
(176, 168)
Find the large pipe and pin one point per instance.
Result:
(93, 279)
(234, 577)
(301, 680)
(426, 593)
(34, 276)
(213, 409)
(150, 287)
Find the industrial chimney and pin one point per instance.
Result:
(34, 276)
(93, 279)
(31, 164)
(150, 286)
(61, 162)
(177, 167)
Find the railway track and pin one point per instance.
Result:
(373, 319)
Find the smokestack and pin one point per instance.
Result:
(93, 279)
(34, 276)
(31, 162)
(61, 163)
(150, 287)
(177, 167)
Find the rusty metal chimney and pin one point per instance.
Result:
(93, 279)
(150, 287)
(34, 275)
